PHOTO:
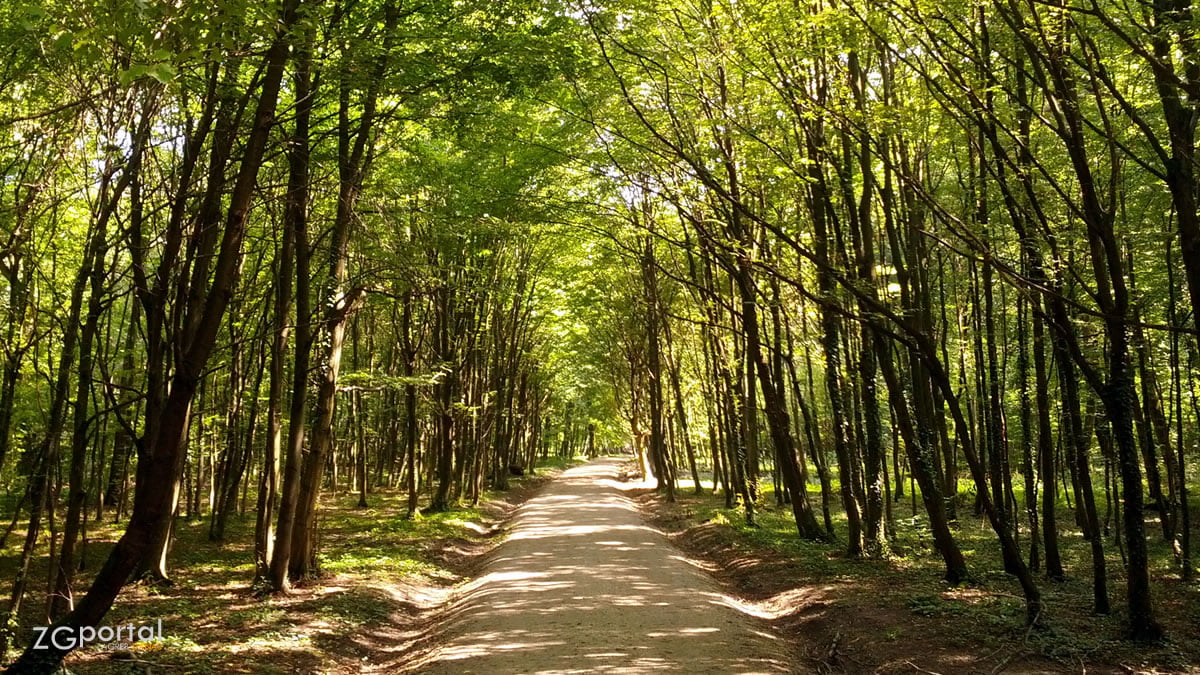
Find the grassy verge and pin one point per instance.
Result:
(896, 615)
(380, 572)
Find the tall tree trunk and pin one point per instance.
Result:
(410, 405)
(681, 415)
(660, 459)
(295, 204)
(124, 441)
(776, 407)
(1027, 467)
(831, 344)
(296, 222)
(1046, 459)
(62, 598)
(1077, 443)
(864, 245)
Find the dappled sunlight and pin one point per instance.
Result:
(383, 573)
(779, 605)
(582, 584)
(474, 527)
(688, 485)
(541, 532)
(488, 643)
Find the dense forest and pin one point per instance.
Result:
(817, 258)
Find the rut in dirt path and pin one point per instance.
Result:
(582, 584)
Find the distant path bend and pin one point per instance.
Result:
(583, 585)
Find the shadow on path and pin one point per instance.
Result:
(582, 584)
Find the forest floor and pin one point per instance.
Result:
(579, 581)
(582, 584)
(383, 576)
(897, 616)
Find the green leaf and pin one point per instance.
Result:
(163, 72)
(131, 74)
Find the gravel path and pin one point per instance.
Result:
(583, 585)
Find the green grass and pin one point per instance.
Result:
(988, 613)
(379, 542)
(215, 623)
(556, 462)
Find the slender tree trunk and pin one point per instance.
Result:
(296, 221)
(62, 599)
(660, 459)
(268, 485)
(1046, 458)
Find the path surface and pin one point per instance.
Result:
(582, 585)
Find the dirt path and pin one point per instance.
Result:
(582, 584)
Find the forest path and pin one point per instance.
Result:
(583, 584)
